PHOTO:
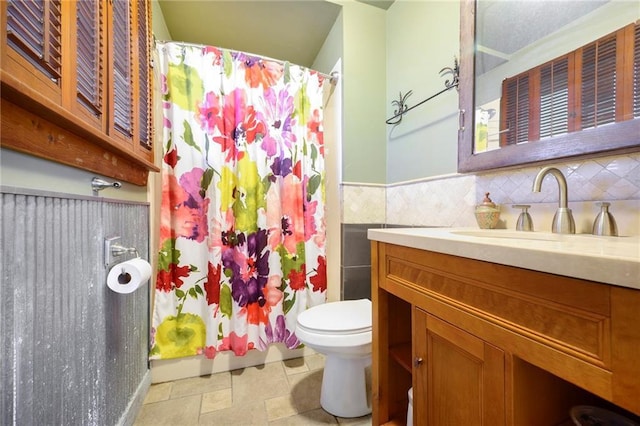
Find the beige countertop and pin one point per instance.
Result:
(612, 260)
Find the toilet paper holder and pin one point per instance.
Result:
(113, 250)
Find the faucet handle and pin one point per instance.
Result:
(605, 224)
(524, 223)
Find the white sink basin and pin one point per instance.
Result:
(523, 235)
(533, 236)
(516, 235)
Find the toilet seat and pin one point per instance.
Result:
(338, 324)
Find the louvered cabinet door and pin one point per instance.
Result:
(609, 76)
(32, 44)
(593, 86)
(144, 107)
(87, 63)
(598, 75)
(121, 75)
(129, 96)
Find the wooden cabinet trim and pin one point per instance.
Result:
(380, 356)
(575, 331)
(625, 343)
(542, 354)
(24, 87)
(19, 94)
(390, 378)
(14, 64)
(26, 132)
(509, 278)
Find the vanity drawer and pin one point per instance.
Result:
(567, 314)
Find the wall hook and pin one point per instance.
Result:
(402, 107)
(448, 85)
(98, 184)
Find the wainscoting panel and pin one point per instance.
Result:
(73, 352)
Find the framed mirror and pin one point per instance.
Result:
(500, 42)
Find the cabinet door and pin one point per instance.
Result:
(121, 91)
(32, 44)
(87, 63)
(130, 76)
(459, 379)
(145, 80)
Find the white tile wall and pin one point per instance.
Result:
(446, 201)
(450, 200)
(606, 178)
(363, 203)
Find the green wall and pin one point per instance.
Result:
(159, 27)
(422, 38)
(385, 52)
(25, 171)
(363, 79)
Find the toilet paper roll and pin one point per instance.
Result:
(127, 277)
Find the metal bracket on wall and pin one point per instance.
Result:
(113, 250)
(109, 242)
(402, 107)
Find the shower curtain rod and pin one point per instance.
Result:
(333, 77)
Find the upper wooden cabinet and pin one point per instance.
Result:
(81, 70)
(87, 65)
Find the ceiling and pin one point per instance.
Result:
(295, 30)
(286, 30)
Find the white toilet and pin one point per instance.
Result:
(342, 332)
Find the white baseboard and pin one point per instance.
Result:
(182, 368)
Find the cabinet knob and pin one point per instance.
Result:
(417, 361)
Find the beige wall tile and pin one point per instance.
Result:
(450, 200)
(363, 203)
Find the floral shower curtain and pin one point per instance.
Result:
(242, 221)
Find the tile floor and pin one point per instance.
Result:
(278, 393)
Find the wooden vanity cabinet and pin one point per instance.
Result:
(497, 345)
(76, 84)
(461, 375)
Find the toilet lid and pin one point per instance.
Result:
(346, 316)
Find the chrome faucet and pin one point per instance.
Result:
(563, 219)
